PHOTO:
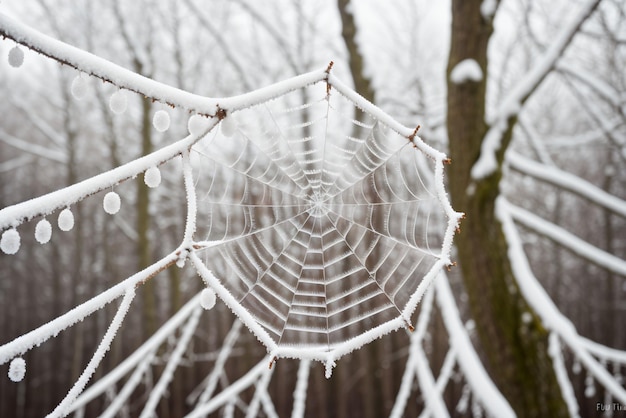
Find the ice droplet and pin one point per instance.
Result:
(17, 369)
(10, 241)
(16, 57)
(228, 126)
(161, 121)
(118, 102)
(152, 177)
(43, 231)
(111, 203)
(197, 124)
(79, 87)
(208, 298)
(66, 220)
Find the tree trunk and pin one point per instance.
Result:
(516, 350)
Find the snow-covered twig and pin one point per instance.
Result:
(37, 336)
(512, 103)
(481, 384)
(105, 344)
(566, 239)
(541, 303)
(566, 181)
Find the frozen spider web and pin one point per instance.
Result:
(318, 221)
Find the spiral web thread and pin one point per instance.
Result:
(317, 221)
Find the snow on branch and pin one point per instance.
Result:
(12, 216)
(135, 360)
(39, 335)
(541, 303)
(129, 80)
(566, 181)
(566, 239)
(481, 384)
(512, 103)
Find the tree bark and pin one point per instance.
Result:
(515, 349)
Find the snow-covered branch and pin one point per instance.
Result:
(541, 303)
(566, 181)
(566, 239)
(125, 79)
(517, 96)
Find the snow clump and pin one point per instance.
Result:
(111, 203)
(466, 70)
(118, 102)
(152, 177)
(197, 124)
(43, 231)
(66, 220)
(228, 126)
(16, 57)
(17, 369)
(10, 241)
(161, 121)
(79, 87)
(208, 298)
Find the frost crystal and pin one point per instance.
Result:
(152, 177)
(43, 231)
(161, 121)
(16, 57)
(111, 203)
(17, 369)
(118, 102)
(228, 126)
(79, 87)
(208, 299)
(66, 220)
(10, 241)
(197, 124)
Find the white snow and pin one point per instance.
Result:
(79, 87)
(566, 181)
(539, 300)
(488, 8)
(208, 298)
(466, 70)
(43, 231)
(512, 103)
(118, 102)
(66, 220)
(152, 177)
(111, 203)
(17, 369)
(228, 126)
(161, 120)
(16, 57)
(10, 241)
(197, 125)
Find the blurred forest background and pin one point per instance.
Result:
(49, 140)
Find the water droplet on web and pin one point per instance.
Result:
(10, 241)
(197, 124)
(17, 369)
(66, 220)
(161, 121)
(16, 57)
(79, 87)
(208, 299)
(111, 203)
(43, 231)
(152, 177)
(118, 102)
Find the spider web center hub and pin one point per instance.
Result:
(318, 205)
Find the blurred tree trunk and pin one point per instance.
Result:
(516, 351)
